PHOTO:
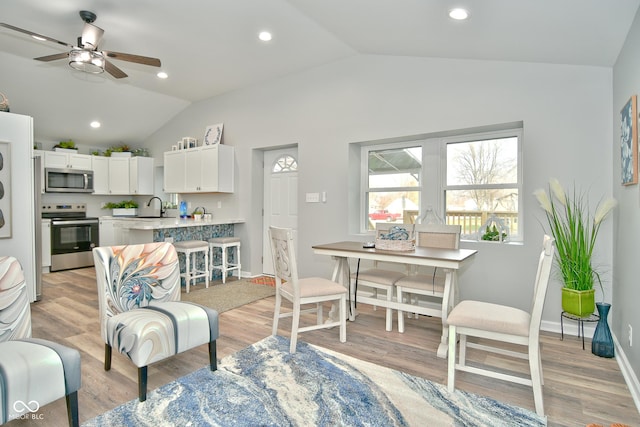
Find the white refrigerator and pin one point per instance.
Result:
(18, 231)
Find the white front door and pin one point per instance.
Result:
(280, 198)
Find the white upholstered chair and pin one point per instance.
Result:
(379, 279)
(311, 290)
(428, 284)
(141, 314)
(496, 322)
(33, 372)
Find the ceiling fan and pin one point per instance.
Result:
(85, 56)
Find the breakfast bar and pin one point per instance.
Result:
(146, 230)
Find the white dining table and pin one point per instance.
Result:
(449, 260)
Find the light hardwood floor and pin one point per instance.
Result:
(579, 388)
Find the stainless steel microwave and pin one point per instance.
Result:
(68, 181)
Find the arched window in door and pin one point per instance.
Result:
(286, 163)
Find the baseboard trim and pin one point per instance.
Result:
(630, 377)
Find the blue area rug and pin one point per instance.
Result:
(264, 385)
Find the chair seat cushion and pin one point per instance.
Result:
(32, 370)
(378, 276)
(490, 317)
(423, 284)
(155, 332)
(315, 287)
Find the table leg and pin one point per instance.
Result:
(342, 274)
(449, 299)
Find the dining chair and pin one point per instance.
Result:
(311, 290)
(33, 371)
(141, 314)
(500, 323)
(379, 279)
(422, 283)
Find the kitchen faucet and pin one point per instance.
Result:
(161, 204)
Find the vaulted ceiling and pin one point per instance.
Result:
(209, 47)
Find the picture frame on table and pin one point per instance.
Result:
(5, 190)
(213, 134)
(629, 142)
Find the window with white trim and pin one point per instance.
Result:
(392, 183)
(473, 180)
(483, 185)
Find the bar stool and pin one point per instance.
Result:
(225, 264)
(189, 248)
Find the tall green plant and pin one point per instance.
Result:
(575, 231)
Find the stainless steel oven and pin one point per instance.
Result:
(73, 235)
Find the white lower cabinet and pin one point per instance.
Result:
(111, 234)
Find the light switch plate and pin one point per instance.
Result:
(312, 197)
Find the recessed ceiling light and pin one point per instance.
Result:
(458, 14)
(95, 124)
(162, 75)
(265, 36)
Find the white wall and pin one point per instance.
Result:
(566, 112)
(626, 289)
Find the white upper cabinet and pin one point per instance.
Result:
(100, 167)
(141, 175)
(174, 172)
(122, 175)
(62, 160)
(207, 169)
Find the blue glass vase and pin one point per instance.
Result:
(602, 342)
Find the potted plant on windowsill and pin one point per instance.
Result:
(575, 231)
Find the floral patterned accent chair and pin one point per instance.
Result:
(33, 372)
(141, 314)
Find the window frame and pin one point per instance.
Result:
(433, 176)
(484, 136)
(364, 178)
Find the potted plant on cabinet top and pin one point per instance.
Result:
(575, 231)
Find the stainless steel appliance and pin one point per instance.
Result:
(68, 180)
(73, 235)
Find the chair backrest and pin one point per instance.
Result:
(133, 276)
(443, 236)
(409, 216)
(15, 311)
(284, 258)
(541, 284)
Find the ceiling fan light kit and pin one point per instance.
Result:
(85, 56)
(89, 61)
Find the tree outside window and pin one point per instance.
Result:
(482, 188)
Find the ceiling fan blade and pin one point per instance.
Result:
(113, 70)
(145, 60)
(91, 35)
(32, 34)
(53, 57)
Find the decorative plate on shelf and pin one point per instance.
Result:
(213, 134)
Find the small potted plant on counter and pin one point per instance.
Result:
(124, 208)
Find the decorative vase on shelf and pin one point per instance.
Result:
(602, 342)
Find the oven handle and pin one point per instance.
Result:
(75, 222)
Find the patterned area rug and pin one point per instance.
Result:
(264, 385)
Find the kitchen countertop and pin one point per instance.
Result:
(133, 223)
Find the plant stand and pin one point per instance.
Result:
(580, 320)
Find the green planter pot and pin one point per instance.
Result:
(578, 303)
